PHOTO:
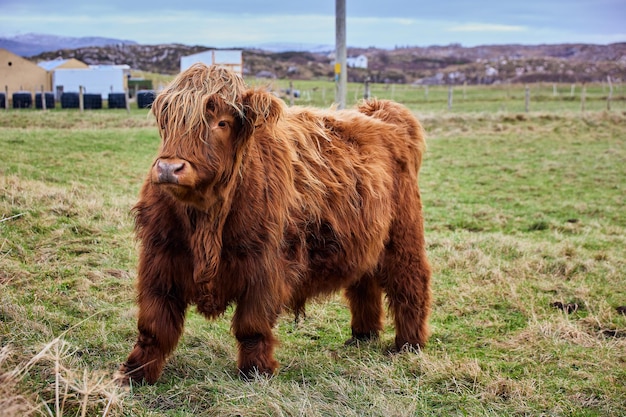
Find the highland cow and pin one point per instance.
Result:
(262, 206)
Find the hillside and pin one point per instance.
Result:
(452, 64)
(30, 44)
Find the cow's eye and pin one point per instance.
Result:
(222, 123)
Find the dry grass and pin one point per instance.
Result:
(70, 389)
(13, 400)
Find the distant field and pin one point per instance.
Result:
(482, 98)
(471, 98)
(542, 97)
(523, 210)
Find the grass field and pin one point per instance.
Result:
(523, 210)
(544, 97)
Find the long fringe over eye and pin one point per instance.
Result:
(182, 105)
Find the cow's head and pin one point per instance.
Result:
(206, 119)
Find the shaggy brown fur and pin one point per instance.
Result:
(263, 206)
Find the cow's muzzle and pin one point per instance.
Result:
(169, 170)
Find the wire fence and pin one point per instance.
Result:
(515, 98)
(539, 97)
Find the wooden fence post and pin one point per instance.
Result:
(610, 96)
(6, 97)
(291, 93)
(367, 93)
(43, 99)
(450, 97)
(81, 98)
(527, 98)
(582, 97)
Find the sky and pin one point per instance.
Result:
(379, 23)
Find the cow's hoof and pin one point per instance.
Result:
(358, 338)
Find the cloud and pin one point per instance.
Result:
(397, 23)
(486, 27)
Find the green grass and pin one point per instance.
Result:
(522, 210)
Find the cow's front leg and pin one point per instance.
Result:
(160, 324)
(252, 325)
(162, 301)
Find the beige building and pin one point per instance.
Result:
(19, 74)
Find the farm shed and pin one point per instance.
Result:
(19, 74)
(96, 79)
(55, 64)
(230, 58)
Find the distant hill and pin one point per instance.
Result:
(454, 64)
(34, 43)
(450, 64)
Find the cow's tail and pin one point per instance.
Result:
(399, 115)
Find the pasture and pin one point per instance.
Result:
(542, 97)
(523, 211)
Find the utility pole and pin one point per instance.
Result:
(341, 74)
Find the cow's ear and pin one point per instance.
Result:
(261, 108)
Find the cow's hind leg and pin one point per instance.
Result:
(406, 280)
(365, 301)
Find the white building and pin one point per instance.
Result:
(491, 72)
(97, 79)
(230, 58)
(359, 61)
